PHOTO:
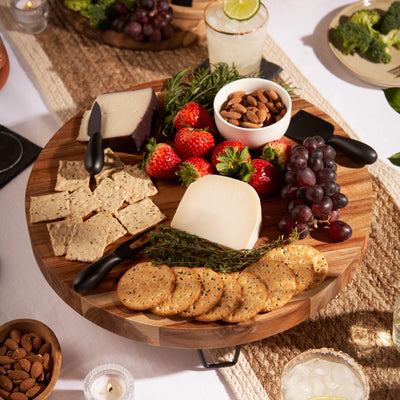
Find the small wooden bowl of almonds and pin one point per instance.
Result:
(253, 111)
(30, 360)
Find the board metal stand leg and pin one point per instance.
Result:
(222, 364)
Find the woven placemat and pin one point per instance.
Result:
(70, 71)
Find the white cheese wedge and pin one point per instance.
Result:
(127, 119)
(221, 209)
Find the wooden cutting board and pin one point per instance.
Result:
(102, 305)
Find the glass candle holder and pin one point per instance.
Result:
(31, 15)
(238, 43)
(109, 382)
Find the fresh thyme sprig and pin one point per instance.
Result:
(200, 86)
(177, 248)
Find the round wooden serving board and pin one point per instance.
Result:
(102, 305)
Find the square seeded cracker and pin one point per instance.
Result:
(61, 232)
(89, 240)
(49, 207)
(83, 201)
(112, 163)
(71, 176)
(116, 230)
(139, 216)
(110, 194)
(142, 187)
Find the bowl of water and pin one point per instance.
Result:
(323, 374)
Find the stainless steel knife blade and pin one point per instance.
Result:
(94, 156)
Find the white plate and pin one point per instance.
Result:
(377, 74)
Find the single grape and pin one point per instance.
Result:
(310, 144)
(134, 30)
(142, 15)
(121, 8)
(314, 193)
(323, 207)
(306, 176)
(301, 213)
(329, 187)
(288, 192)
(147, 5)
(316, 164)
(167, 14)
(328, 151)
(147, 29)
(320, 140)
(326, 174)
(317, 153)
(340, 230)
(290, 177)
(162, 5)
(299, 150)
(301, 193)
(330, 163)
(118, 24)
(339, 200)
(167, 31)
(303, 229)
(286, 224)
(155, 36)
(334, 215)
(297, 161)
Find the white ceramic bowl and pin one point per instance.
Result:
(252, 137)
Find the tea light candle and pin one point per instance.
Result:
(31, 15)
(109, 382)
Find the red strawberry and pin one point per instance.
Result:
(264, 177)
(195, 115)
(160, 160)
(229, 157)
(192, 169)
(277, 153)
(190, 142)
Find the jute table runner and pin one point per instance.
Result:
(70, 70)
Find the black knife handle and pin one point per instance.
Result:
(91, 276)
(94, 156)
(356, 150)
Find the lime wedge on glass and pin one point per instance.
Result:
(241, 10)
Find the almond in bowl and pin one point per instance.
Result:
(253, 111)
(30, 360)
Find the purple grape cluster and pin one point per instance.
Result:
(149, 21)
(313, 196)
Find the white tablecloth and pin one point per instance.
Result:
(300, 28)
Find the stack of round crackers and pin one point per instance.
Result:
(207, 296)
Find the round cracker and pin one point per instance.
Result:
(145, 285)
(186, 292)
(279, 280)
(254, 296)
(229, 301)
(320, 268)
(299, 259)
(210, 293)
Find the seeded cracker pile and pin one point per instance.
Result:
(84, 222)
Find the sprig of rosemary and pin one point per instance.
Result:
(177, 248)
(200, 85)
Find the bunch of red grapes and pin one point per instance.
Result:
(149, 21)
(313, 195)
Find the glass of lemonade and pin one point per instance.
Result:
(323, 374)
(234, 42)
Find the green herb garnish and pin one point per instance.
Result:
(200, 86)
(177, 248)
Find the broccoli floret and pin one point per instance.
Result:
(78, 5)
(350, 37)
(391, 19)
(99, 16)
(392, 38)
(367, 18)
(378, 51)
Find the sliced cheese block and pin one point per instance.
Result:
(221, 209)
(127, 120)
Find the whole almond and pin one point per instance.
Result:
(19, 353)
(25, 364)
(36, 369)
(15, 334)
(18, 396)
(3, 350)
(45, 348)
(4, 394)
(34, 357)
(34, 391)
(17, 374)
(6, 360)
(47, 362)
(11, 344)
(6, 383)
(37, 342)
(26, 342)
(26, 384)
